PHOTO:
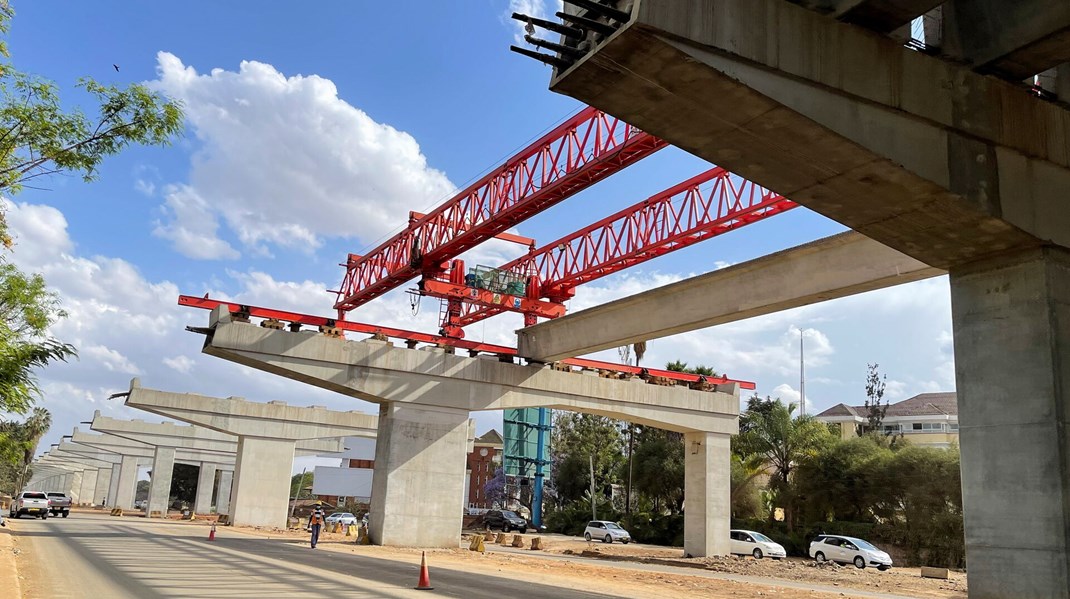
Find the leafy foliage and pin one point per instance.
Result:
(18, 444)
(876, 408)
(304, 483)
(28, 308)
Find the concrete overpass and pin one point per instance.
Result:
(826, 269)
(171, 438)
(267, 434)
(943, 155)
(426, 395)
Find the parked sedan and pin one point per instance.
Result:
(849, 550)
(345, 518)
(606, 531)
(748, 542)
(505, 520)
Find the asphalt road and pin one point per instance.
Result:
(97, 556)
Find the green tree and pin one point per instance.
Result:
(680, 366)
(659, 468)
(782, 441)
(304, 483)
(18, 444)
(40, 137)
(876, 408)
(577, 439)
(28, 308)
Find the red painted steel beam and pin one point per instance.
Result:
(206, 303)
(702, 207)
(583, 150)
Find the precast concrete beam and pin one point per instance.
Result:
(236, 416)
(223, 493)
(376, 371)
(1015, 39)
(923, 155)
(127, 447)
(830, 268)
(191, 437)
(883, 16)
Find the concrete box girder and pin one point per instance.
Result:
(925, 156)
(236, 416)
(169, 434)
(126, 447)
(829, 268)
(376, 371)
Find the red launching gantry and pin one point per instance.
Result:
(583, 150)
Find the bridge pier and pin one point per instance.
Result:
(707, 493)
(1012, 360)
(418, 481)
(163, 468)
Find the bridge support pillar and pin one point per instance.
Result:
(1011, 319)
(418, 483)
(261, 491)
(205, 486)
(88, 486)
(126, 483)
(163, 467)
(103, 481)
(707, 493)
(222, 497)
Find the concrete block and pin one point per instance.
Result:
(518, 541)
(537, 544)
(929, 572)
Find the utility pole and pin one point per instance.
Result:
(300, 486)
(802, 376)
(594, 514)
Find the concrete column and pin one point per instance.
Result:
(163, 466)
(707, 494)
(260, 495)
(101, 491)
(418, 482)
(113, 484)
(127, 483)
(72, 485)
(205, 486)
(89, 486)
(222, 497)
(1011, 319)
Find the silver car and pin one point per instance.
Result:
(849, 550)
(606, 531)
(345, 518)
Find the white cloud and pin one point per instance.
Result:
(110, 359)
(40, 232)
(192, 226)
(181, 364)
(283, 161)
(144, 187)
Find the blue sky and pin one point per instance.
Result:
(312, 131)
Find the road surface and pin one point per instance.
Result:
(97, 556)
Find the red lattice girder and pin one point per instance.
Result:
(704, 206)
(583, 150)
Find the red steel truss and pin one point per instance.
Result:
(412, 338)
(583, 150)
(704, 206)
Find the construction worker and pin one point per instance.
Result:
(315, 522)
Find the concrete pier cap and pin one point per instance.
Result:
(426, 395)
(267, 436)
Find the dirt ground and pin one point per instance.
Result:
(781, 576)
(9, 576)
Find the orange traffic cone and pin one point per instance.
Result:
(211, 534)
(425, 578)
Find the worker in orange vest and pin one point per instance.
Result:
(316, 521)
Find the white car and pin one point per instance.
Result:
(606, 531)
(748, 542)
(849, 550)
(344, 517)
